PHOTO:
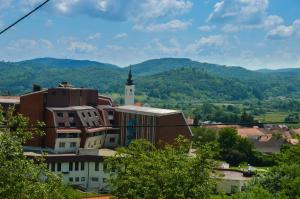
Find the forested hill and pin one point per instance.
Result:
(166, 78)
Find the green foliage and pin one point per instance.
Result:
(294, 117)
(230, 147)
(22, 178)
(281, 181)
(143, 171)
(163, 82)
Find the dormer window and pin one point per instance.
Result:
(71, 115)
(83, 115)
(89, 114)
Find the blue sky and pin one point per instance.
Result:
(250, 33)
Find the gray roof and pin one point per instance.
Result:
(146, 110)
(71, 108)
(9, 100)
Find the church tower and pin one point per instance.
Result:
(129, 90)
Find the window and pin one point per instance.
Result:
(82, 179)
(95, 113)
(52, 166)
(71, 115)
(95, 142)
(73, 144)
(77, 179)
(71, 179)
(82, 166)
(59, 114)
(96, 166)
(89, 114)
(61, 124)
(94, 179)
(62, 145)
(104, 167)
(76, 166)
(112, 140)
(83, 115)
(72, 124)
(94, 123)
(70, 166)
(59, 166)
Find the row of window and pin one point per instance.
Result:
(74, 166)
(68, 135)
(72, 115)
(73, 124)
(89, 114)
(82, 179)
(63, 145)
(60, 114)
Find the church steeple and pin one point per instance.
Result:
(129, 89)
(129, 80)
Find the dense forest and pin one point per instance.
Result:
(168, 83)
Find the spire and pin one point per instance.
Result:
(129, 80)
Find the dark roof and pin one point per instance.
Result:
(129, 80)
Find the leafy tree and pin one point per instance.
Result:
(294, 117)
(202, 135)
(233, 148)
(281, 181)
(143, 171)
(21, 178)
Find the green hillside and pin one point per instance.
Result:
(181, 80)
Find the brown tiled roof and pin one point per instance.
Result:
(249, 132)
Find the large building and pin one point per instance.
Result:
(83, 126)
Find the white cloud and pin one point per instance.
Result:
(203, 46)
(281, 32)
(114, 47)
(284, 31)
(121, 36)
(229, 28)
(272, 20)
(30, 44)
(239, 11)
(210, 43)
(150, 9)
(94, 36)
(206, 28)
(81, 47)
(172, 25)
(173, 49)
(118, 10)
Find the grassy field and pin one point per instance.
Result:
(272, 117)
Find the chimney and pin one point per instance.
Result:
(36, 87)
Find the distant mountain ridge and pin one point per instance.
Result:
(165, 78)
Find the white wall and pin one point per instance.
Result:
(85, 176)
(94, 142)
(67, 148)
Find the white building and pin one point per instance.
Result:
(85, 170)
